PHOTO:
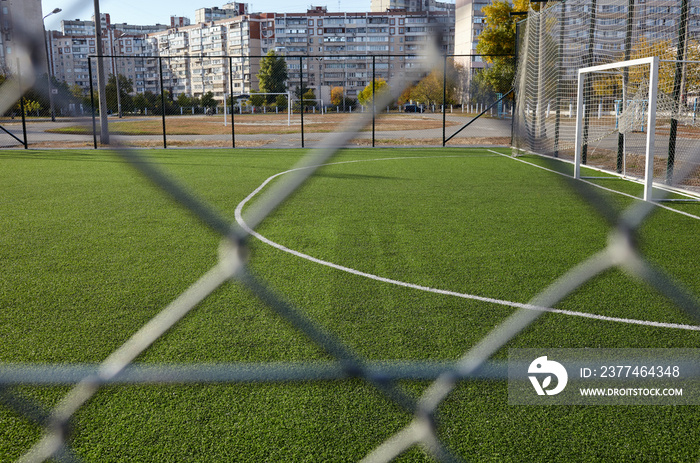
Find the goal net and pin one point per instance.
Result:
(615, 135)
(630, 120)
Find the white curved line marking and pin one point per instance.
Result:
(244, 225)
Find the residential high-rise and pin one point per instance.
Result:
(322, 49)
(229, 10)
(69, 51)
(378, 6)
(19, 21)
(179, 21)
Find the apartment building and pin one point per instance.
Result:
(229, 10)
(342, 45)
(323, 40)
(378, 6)
(78, 27)
(19, 19)
(219, 57)
(125, 46)
(179, 21)
(322, 50)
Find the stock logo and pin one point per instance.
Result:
(545, 369)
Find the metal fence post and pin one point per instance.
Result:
(21, 105)
(374, 112)
(588, 83)
(625, 80)
(301, 96)
(677, 91)
(444, 99)
(162, 99)
(560, 48)
(233, 106)
(92, 104)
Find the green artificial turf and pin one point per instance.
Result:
(90, 251)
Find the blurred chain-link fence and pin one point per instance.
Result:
(248, 101)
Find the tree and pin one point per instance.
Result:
(380, 86)
(480, 91)
(429, 90)
(208, 100)
(147, 100)
(257, 100)
(272, 75)
(30, 107)
(498, 38)
(309, 98)
(405, 96)
(337, 95)
(281, 101)
(184, 101)
(126, 86)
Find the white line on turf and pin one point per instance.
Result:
(597, 186)
(244, 225)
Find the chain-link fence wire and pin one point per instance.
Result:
(621, 251)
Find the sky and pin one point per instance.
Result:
(142, 12)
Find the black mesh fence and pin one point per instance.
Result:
(274, 101)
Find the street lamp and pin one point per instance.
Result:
(48, 63)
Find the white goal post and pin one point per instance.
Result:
(653, 63)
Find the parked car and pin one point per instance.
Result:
(412, 108)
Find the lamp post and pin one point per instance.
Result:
(116, 71)
(48, 63)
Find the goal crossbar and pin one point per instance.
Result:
(653, 63)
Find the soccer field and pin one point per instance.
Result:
(398, 255)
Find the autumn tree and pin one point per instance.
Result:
(498, 38)
(337, 95)
(430, 90)
(380, 86)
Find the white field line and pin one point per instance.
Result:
(599, 186)
(244, 225)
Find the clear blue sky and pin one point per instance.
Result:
(159, 11)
